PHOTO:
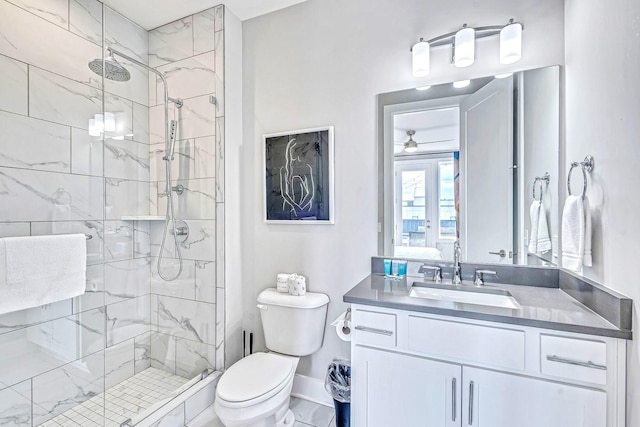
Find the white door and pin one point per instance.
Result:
(415, 205)
(486, 173)
(493, 399)
(391, 389)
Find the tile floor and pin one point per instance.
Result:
(312, 414)
(123, 401)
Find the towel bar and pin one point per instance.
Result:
(586, 166)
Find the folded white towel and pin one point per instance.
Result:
(539, 241)
(573, 233)
(40, 270)
(587, 259)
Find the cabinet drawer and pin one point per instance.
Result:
(372, 327)
(497, 347)
(572, 358)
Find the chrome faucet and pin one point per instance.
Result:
(457, 271)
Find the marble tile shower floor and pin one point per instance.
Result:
(121, 402)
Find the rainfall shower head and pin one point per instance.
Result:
(113, 69)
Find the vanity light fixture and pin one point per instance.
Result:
(410, 146)
(463, 46)
(461, 84)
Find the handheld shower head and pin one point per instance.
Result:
(111, 70)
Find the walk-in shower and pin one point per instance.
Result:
(111, 69)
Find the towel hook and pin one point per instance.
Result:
(586, 166)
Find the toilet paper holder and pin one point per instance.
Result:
(345, 325)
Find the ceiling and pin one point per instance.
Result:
(150, 14)
(436, 130)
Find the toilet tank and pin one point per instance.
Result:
(293, 325)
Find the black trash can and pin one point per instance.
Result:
(338, 384)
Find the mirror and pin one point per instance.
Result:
(467, 163)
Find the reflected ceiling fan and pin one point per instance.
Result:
(411, 146)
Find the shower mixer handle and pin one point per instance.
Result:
(179, 189)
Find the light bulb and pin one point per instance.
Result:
(511, 43)
(465, 47)
(421, 58)
(461, 83)
(423, 87)
(503, 76)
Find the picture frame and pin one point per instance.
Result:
(298, 176)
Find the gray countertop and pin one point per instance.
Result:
(541, 307)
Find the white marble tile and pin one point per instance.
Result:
(197, 118)
(140, 123)
(126, 160)
(47, 196)
(124, 197)
(30, 39)
(189, 77)
(54, 11)
(141, 239)
(95, 249)
(125, 36)
(62, 100)
(35, 144)
(219, 67)
(171, 42)
(85, 19)
(36, 349)
(15, 405)
(157, 123)
(220, 254)
(220, 326)
(182, 287)
(119, 363)
(142, 350)
(186, 319)
(196, 202)
(127, 319)
(118, 240)
(10, 322)
(200, 244)
(14, 86)
(200, 401)
(153, 199)
(220, 159)
(208, 418)
(175, 418)
(94, 294)
(311, 413)
(183, 165)
(206, 281)
(152, 90)
(86, 153)
(126, 279)
(154, 312)
(192, 358)
(203, 30)
(122, 109)
(66, 387)
(163, 352)
(205, 157)
(14, 229)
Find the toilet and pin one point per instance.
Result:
(256, 390)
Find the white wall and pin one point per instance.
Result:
(602, 119)
(322, 62)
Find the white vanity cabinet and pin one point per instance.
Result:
(418, 369)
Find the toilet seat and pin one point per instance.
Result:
(255, 379)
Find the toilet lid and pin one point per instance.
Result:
(254, 376)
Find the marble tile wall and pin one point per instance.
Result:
(187, 314)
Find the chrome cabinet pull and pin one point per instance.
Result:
(471, 403)
(373, 330)
(453, 400)
(502, 253)
(587, 364)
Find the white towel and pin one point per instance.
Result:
(573, 233)
(40, 270)
(539, 241)
(587, 259)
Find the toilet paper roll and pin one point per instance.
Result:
(339, 324)
(297, 285)
(282, 282)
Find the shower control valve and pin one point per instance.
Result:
(179, 189)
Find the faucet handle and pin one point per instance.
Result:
(437, 272)
(479, 276)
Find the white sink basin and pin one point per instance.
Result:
(487, 297)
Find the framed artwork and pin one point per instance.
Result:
(298, 177)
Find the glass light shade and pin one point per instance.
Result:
(511, 43)
(465, 47)
(503, 76)
(461, 83)
(92, 128)
(424, 87)
(410, 146)
(99, 122)
(421, 59)
(109, 122)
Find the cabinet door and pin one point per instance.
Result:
(492, 399)
(391, 389)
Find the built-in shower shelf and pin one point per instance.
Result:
(142, 218)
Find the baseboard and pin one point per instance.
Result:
(312, 389)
